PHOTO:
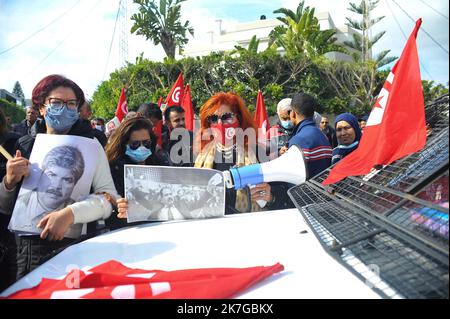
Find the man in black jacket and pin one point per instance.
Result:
(328, 131)
(85, 113)
(181, 140)
(23, 128)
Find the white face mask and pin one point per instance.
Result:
(100, 128)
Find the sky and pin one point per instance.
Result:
(73, 37)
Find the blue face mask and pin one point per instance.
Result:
(60, 119)
(138, 155)
(287, 124)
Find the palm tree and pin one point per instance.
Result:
(252, 47)
(363, 44)
(162, 24)
(301, 34)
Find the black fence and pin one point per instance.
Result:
(390, 227)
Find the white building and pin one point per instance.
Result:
(241, 34)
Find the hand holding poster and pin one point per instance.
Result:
(61, 172)
(162, 193)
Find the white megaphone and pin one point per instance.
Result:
(289, 167)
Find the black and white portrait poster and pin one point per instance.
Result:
(160, 193)
(61, 173)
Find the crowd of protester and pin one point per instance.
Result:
(148, 136)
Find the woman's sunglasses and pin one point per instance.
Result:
(134, 145)
(225, 118)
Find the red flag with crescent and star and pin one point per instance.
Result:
(396, 126)
(176, 93)
(113, 280)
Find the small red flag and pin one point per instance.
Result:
(113, 280)
(261, 118)
(396, 126)
(186, 103)
(157, 130)
(122, 107)
(176, 93)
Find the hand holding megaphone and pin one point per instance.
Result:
(289, 168)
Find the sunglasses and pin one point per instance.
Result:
(225, 118)
(134, 145)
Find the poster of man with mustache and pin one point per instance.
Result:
(61, 172)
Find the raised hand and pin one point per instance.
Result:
(16, 169)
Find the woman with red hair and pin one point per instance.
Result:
(228, 139)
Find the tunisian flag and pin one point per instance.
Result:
(396, 126)
(261, 118)
(176, 93)
(186, 103)
(113, 280)
(121, 111)
(122, 106)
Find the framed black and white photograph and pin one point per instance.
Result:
(61, 173)
(159, 193)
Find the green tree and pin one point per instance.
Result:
(337, 86)
(16, 113)
(354, 86)
(162, 24)
(432, 91)
(301, 34)
(17, 91)
(362, 44)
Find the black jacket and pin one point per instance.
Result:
(281, 137)
(7, 240)
(22, 128)
(185, 148)
(8, 141)
(331, 135)
(100, 136)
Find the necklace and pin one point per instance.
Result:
(227, 152)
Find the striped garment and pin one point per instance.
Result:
(315, 146)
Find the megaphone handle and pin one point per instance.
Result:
(249, 198)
